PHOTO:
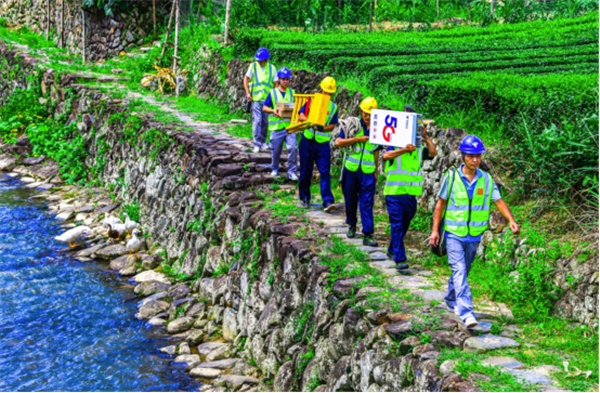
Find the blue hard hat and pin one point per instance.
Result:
(472, 144)
(262, 54)
(284, 72)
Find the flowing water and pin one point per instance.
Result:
(67, 325)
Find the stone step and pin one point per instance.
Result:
(488, 342)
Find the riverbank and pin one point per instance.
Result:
(68, 325)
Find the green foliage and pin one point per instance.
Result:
(422, 221)
(303, 322)
(48, 136)
(527, 285)
(109, 6)
(133, 210)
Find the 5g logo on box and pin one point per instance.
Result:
(390, 123)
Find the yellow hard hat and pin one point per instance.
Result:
(328, 85)
(368, 104)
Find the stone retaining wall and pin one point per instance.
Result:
(243, 274)
(107, 35)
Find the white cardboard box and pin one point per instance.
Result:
(391, 128)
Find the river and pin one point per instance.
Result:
(67, 325)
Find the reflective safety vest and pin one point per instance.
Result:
(407, 179)
(262, 81)
(322, 137)
(464, 216)
(363, 157)
(280, 123)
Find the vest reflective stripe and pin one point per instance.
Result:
(279, 123)
(469, 217)
(364, 158)
(322, 137)
(403, 184)
(262, 82)
(406, 179)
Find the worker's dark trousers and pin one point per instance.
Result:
(311, 152)
(401, 209)
(359, 190)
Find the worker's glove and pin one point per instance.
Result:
(320, 128)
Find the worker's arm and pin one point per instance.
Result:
(434, 240)
(505, 211)
(429, 143)
(270, 111)
(248, 95)
(341, 142)
(390, 155)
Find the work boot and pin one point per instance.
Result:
(306, 204)
(368, 241)
(329, 207)
(351, 233)
(389, 254)
(401, 266)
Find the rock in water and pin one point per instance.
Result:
(180, 325)
(205, 373)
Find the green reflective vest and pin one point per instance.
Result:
(363, 157)
(262, 81)
(464, 216)
(322, 137)
(405, 175)
(279, 123)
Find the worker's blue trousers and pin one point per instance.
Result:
(312, 152)
(401, 209)
(460, 257)
(359, 190)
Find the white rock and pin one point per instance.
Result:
(151, 275)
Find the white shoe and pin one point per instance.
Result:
(456, 312)
(273, 173)
(264, 146)
(470, 323)
(256, 149)
(293, 177)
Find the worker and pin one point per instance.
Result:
(359, 176)
(278, 124)
(470, 192)
(260, 78)
(314, 148)
(404, 183)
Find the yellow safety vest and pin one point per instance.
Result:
(262, 81)
(363, 158)
(322, 137)
(407, 179)
(280, 123)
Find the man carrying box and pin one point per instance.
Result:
(278, 124)
(404, 172)
(258, 82)
(470, 192)
(314, 147)
(360, 175)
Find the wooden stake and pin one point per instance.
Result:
(175, 50)
(47, 19)
(83, 34)
(492, 7)
(437, 3)
(164, 46)
(227, 14)
(371, 16)
(154, 15)
(62, 25)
